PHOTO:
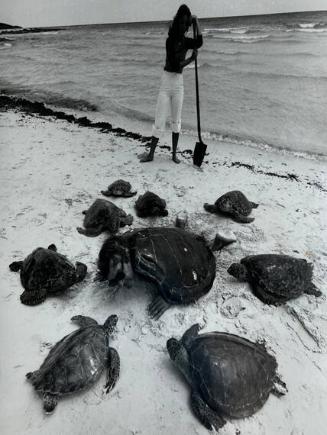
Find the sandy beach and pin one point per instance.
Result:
(50, 171)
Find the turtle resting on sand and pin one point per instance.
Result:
(102, 216)
(230, 376)
(180, 263)
(119, 188)
(235, 204)
(150, 204)
(44, 272)
(275, 278)
(77, 361)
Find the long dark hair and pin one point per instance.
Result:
(182, 10)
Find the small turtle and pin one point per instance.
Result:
(44, 272)
(180, 263)
(102, 216)
(275, 278)
(230, 376)
(150, 204)
(119, 188)
(77, 361)
(235, 204)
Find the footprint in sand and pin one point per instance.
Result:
(3, 233)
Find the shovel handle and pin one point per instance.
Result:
(195, 35)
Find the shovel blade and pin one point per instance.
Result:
(199, 153)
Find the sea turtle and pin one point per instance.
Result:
(119, 188)
(150, 204)
(77, 361)
(44, 272)
(102, 216)
(180, 263)
(275, 278)
(230, 376)
(235, 204)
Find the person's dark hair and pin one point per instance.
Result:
(182, 10)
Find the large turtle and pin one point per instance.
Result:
(77, 361)
(150, 204)
(44, 272)
(229, 375)
(119, 188)
(180, 263)
(275, 278)
(102, 216)
(235, 204)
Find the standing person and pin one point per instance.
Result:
(171, 89)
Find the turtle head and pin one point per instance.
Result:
(179, 356)
(174, 348)
(114, 261)
(111, 323)
(239, 271)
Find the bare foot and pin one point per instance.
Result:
(176, 160)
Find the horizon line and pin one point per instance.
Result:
(166, 21)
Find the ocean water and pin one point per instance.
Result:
(263, 80)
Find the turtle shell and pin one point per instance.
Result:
(150, 204)
(180, 263)
(103, 213)
(73, 363)
(233, 375)
(234, 201)
(120, 188)
(47, 269)
(277, 278)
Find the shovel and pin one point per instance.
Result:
(200, 147)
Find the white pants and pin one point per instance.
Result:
(170, 97)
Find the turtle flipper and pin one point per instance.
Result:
(106, 192)
(84, 321)
(279, 389)
(113, 369)
(210, 208)
(33, 297)
(15, 266)
(221, 241)
(81, 270)
(129, 194)
(90, 232)
(49, 402)
(312, 290)
(32, 376)
(242, 219)
(157, 307)
(254, 204)
(208, 417)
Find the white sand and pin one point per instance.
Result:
(50, 172)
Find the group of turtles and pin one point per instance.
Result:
(230, 376)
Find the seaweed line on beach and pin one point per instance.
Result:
(288, 176)
(30, 108)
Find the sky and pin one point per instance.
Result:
(34, 13)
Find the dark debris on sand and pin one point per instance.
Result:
(35, 107)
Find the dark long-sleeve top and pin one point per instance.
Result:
(176, 51)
